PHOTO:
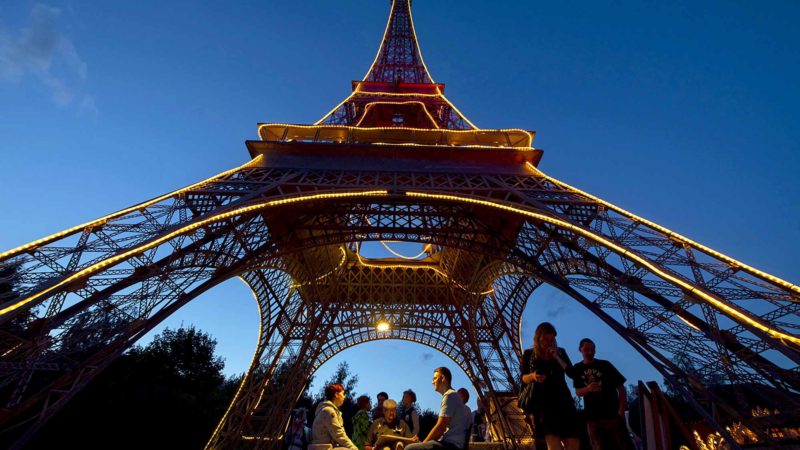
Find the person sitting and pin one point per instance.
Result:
(377, 411)
(464, 394)
(328, 427)
(361, 422)
(408, 412)
(481, 432)
(296, 437)
(388, 425)
(450, 431)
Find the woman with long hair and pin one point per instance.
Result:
(361, 421)
(555, 418)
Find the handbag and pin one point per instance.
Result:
(526, 402)
(526, 398)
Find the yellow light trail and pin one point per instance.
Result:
(485, 147)
(104, 219)
(185, 229)
(246, 378)
(319, 122)
(672, 234)
(527, 134)
(416, 42)
(327, 274)
(358, 91)
(411, 258)
(383, 39)
(730, 311)
(438, 95)
(425, 108)
(456, 109)
(392, 265)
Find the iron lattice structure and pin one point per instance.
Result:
(394, 161)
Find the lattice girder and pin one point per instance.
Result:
(399, 58)
(123, 273)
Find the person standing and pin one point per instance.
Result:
(328, 427)
(361, 422)
(450, 431)
(554, 415)
(605, 400)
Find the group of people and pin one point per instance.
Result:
(598, 382)
(555, 419)
(387, 418)
(393, 426)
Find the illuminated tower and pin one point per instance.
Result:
(394, 161)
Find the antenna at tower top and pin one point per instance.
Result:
(399, 58)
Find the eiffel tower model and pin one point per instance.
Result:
(394, 161)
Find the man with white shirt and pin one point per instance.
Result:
(450, 431)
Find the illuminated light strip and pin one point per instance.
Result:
(245, 378)
(394, 94)
(410, 266)
(370, 105)
(624, 252)
(383, 39)
(487, 147)
(319, 122)
(386, 246)
(416, 42)
(221, 216)
(104, 219)
(439, 94)
(688, 323)
(460, 113)
(413, 258)
(674, 235)
(11, 350)
(432, 130)
(331, 272)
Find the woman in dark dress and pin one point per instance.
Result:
(554, 415)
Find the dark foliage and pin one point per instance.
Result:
(427, 419)
(169, 394)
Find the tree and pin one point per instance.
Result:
(345, 378)
(427, 419)
(183, 357)
(169, 394)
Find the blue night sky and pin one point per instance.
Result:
(683, 112)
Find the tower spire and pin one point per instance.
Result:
(399, 57)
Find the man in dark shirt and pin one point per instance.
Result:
(605, 401)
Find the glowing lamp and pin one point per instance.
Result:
(382, 327)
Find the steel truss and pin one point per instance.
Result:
(290, 221)
(86, 296)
